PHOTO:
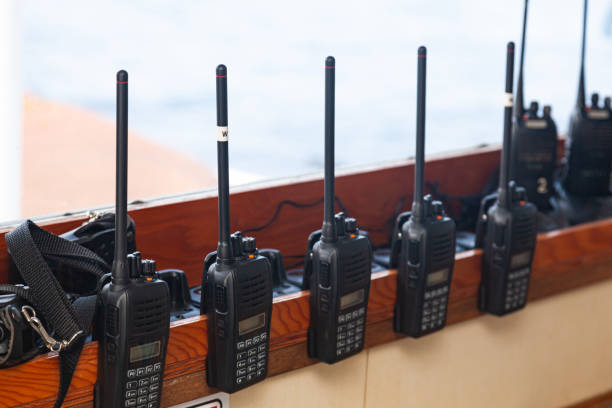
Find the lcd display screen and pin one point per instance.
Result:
(145, 351)
(437, 277)
(352, 299)
(252, 323)
(521, 259)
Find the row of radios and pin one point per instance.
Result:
(237, 282)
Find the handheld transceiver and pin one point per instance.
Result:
(534, 144)
(236, 287)
(341, 265)
(134, 322)
(427, 253)
(510, 236)
(589, 140)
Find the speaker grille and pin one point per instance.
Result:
(356, 267)
(148, 315)
(441, 249)
(252, 291)
(524, 230)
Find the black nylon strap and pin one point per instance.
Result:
(50, 297)
(20, 291)
(28, 245)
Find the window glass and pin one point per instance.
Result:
(58, 109)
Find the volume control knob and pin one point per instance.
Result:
(248, 245)
(437, 209)
(594, 100)
(148, 268)
(350, 224)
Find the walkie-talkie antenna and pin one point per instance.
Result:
(120, 273)
(520, 103)
(504, 173)
(581, 88)
(224, 250)
(419, 169)
(328, 232)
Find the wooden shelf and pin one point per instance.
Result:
(563, 261)
(178, 233)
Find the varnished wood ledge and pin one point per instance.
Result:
(564, 260)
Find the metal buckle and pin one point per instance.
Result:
(93, 216)
(52, 344)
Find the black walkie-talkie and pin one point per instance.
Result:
(534, 144)
(134, 320)
(236, 288)
(510, 236)
(589, 141)
(427, 255)
(341, 265)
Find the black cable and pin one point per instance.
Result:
(278, 210)
(293, 204)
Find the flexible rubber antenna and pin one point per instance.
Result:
(419, 168)
(504, 173)
(328, 232)
(224, 250)
(581, 88)
(520, 103)
(120, 273)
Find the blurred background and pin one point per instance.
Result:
(58, 62)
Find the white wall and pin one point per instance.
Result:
(554, 353)
(11, 113)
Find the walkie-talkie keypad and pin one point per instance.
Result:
(434, 308)
(516, 289)
(351, 326)
(143, 386)
(251, 358)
